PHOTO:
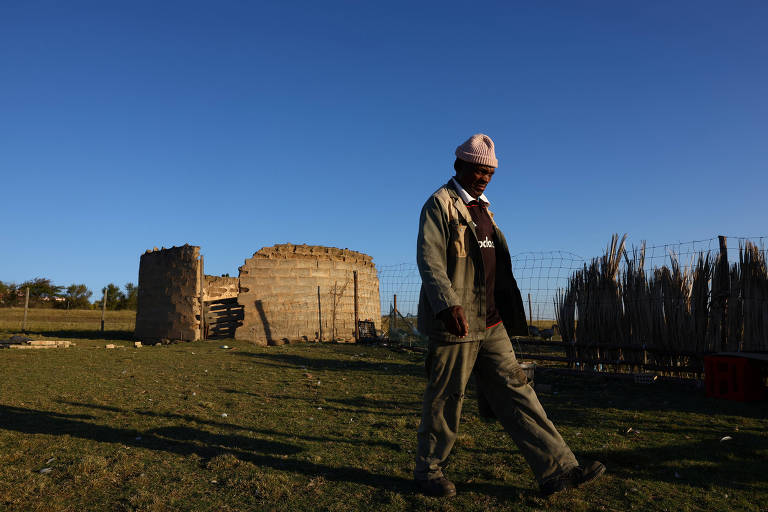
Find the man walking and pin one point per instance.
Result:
(469, 306)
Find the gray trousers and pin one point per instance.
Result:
(504, 385)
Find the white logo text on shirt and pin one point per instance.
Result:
(486, 244)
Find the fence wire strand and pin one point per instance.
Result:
(657, 256)
(539, 274)
(542, 273)
(402, 280)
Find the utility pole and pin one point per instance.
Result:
(104, 307)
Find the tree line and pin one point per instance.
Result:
(44, 294)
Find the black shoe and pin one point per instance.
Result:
(572, 478)
(440, 487)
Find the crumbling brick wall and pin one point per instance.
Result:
(169, 294)
(279, 291)
(217, 288)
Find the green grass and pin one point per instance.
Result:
(47, 320)
(332, 427)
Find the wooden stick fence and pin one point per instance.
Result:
(666, 320)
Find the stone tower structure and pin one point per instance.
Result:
(169, 294)
(279, 292)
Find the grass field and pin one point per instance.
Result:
(48, 320)
(332, 427)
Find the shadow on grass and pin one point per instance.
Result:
(656, 412)
(362, 405)
(86, 335)
(185, 440)
(578, 399)
(177, 439)
(736, 463)
(411, 407)
(270, 433)
(359, 405)
(388, 368)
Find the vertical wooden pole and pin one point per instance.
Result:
(725, 290)
(645, 358)
(319, 315)
(357, 329)
(333, 314)
(26, 308)
(394, 315)
(202, 303)
(530, 311)
(104, 307)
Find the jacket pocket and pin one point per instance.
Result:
(458, 232)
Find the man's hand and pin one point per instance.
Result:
(455, 321)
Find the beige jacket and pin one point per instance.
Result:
(451, 268)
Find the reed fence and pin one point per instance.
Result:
(616, 313)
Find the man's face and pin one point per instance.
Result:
(474, 178)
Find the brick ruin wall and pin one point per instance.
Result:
(169, 294)
(217, 288)
(278, 289)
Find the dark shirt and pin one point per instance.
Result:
(486, 237)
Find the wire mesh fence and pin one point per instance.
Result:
(400, 283)
(543, 276)
(686, 253)
(399, 287)
(539, 275)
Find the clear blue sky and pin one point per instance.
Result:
(238, 125)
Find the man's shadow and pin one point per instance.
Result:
(186, 440)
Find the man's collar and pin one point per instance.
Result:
(464, 195)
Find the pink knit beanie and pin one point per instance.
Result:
(478, 149)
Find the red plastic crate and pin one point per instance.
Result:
(733, 378)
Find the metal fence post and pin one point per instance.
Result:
(26, 308)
